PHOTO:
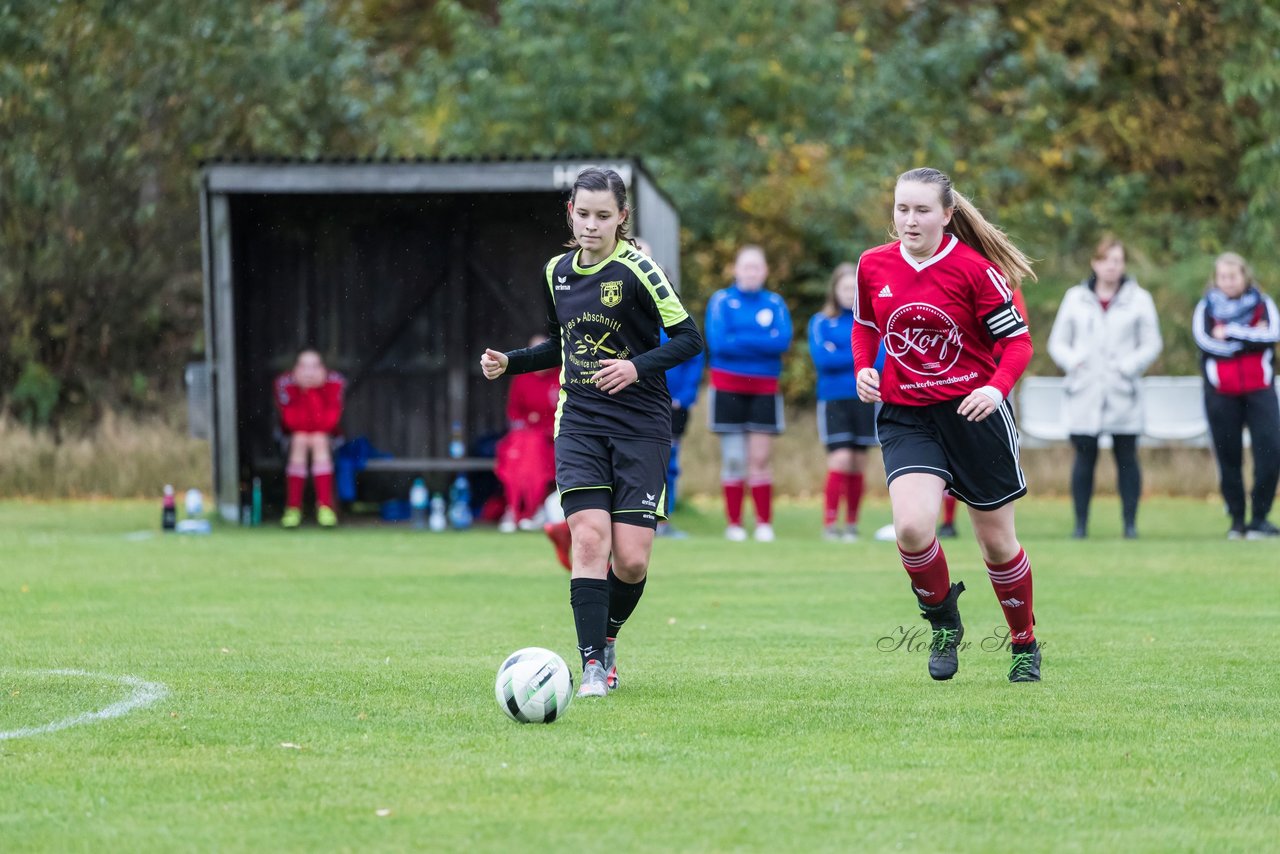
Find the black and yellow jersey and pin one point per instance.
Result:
(612, 310)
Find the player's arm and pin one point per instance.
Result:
(1258, 335)
(1008, 328)
(331, 399)
(685, 340)
(528, 359)
(684, 343)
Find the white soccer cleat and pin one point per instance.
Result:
(735, 534)
(886, 534)
(593, 680)
(764, 533)
(507, 525)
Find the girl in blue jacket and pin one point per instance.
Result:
(846, 425)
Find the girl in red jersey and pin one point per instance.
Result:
(1237, 327)
(309, 399)
(940, 299)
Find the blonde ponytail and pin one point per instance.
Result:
(968, 224)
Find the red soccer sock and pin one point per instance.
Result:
(295, 480)
(1012, 583)
(853, 499)
(948, 509)
(930, 578)
(734, 492)
(323, 476)
(837, 485)
(762, 497)
(562, 539)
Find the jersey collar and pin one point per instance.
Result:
(943, 252)
(587, 271)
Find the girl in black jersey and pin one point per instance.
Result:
(606, 303)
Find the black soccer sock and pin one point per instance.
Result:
(623, 598)
(590, 600)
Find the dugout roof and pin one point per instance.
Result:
(399, 272)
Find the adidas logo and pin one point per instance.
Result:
(1012, 603)
(885, 292)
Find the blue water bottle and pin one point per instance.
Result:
(460, 504)
(457, 448)
(418, 504)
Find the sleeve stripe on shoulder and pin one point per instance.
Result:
(1001, 283)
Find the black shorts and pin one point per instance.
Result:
(977, 459)
(846, 423)
(732, 412)
(626, 477)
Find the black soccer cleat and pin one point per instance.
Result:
(1026, 662)
(947, 531)
(947, 633)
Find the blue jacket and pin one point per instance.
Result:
(683, 380)
(747, 333)
(831, 348)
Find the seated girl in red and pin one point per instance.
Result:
(309, 399)
(526, 463)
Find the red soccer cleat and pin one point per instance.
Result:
(558, 533)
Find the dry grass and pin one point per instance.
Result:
(800, 465)
(120, 457)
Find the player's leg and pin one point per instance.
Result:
(1128, 480)
(585, 475)
(1262, 413)
(1225, 414)
(1082, 480)
(639, 482)
(1010, 572)
(948, 527)
(839, 469)
(295, 479)
(733, 476)
(856, 485)
(765, 420)
(322, 477)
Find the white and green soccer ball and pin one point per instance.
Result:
(534, 686)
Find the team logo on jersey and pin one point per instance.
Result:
(923, 339)
(610, 293)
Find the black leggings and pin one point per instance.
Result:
(1128, 475)
(1228, 416)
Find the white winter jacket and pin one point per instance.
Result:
(1104, 354)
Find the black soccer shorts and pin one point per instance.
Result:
(733, 412)
(624, 476)
(846, 423)
(977, 459)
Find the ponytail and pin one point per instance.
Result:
(968, 224)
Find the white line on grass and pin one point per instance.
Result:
(144, 694)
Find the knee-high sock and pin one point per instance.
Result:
(930, 578)
(322, 473)
(837, 486)
(762, 497)
(295, 479)
(853, 497)
(734, 491)
(589, 598)
(623, 598)
(1012, 583)
(948, 509)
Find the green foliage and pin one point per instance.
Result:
(780, 123)
(35, 395)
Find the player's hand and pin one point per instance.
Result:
(869, 385)
(977, 406)
(493, 363)
(615, 375)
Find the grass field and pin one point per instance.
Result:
(334, 691)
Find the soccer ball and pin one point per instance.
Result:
(534, 686)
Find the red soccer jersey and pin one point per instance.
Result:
(310, 410)
(939, 320)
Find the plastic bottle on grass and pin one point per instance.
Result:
(437, 522)
(418, 504)
(457, 447)
(168, 509)
(460, 503)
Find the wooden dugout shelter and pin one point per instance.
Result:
(399, 273)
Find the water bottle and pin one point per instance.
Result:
(257, 502)
(418, 504)
(437, 522)
(457, 448)
(194, 501)
(460, 504)
(168, 510)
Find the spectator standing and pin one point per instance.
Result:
(309, 400)
(1104, 337)
(526, 462)
(846, 425)
(1236, 327)
(748, 329)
